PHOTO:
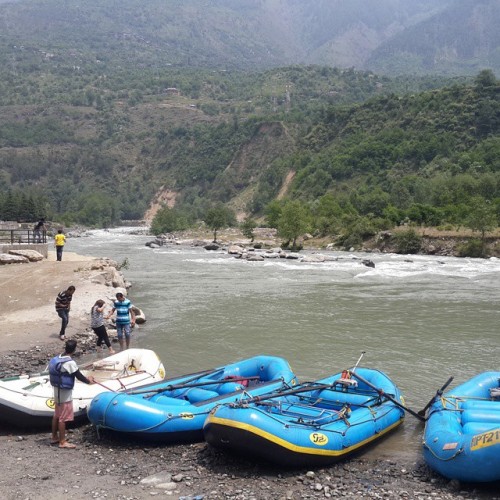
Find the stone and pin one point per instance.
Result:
(6, 258)
(31, 255)
(235, 250)
(159, 478)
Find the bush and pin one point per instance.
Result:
(408, 241)
(473, 248)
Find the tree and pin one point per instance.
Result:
(273, 213)
(218, 217)
(482, 217)
(293, 222)
(168, 220)
(485, 78)
(247, 228)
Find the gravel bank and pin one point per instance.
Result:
(105, 467)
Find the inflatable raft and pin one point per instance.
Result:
(317, 423)
(27, 400)
(462, 433)
(174, 410)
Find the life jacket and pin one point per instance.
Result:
(58, 378)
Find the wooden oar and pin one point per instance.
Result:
(387, 396)
(438, 394)
(173, 387)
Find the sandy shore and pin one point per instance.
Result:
(104, 467)
(28, 293)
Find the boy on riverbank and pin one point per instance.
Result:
(125, 319)
(62, 371)
(63, 306)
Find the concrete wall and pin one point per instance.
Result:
(42, 248)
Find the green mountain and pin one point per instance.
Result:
(393, 36)
(461, 39)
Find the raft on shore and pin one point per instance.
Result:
(314, 424)
(27, 401)
(462, 432)
(174, 410)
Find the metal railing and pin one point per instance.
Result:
(22, 236)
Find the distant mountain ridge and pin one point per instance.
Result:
(385, 36)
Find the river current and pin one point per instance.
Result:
(420, 319)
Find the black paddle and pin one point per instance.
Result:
(387, 396)
(437, 395)
(196, 376)
(289, 392)
(173, 387)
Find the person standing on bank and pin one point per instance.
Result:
(63, 306)
(38, 230)
(59, 241)
(97, 324)
(125, 318)
(62, 373)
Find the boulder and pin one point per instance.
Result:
(31, 255)
(272, 255)
(235, 250)
(368, 263)
(313, 258)
(7, 258)
(255, 257)
(211, 246)
(140, 317)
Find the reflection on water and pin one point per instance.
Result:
(421, 319)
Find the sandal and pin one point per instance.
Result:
(67, 445)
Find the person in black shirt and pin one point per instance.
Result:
(63, 305)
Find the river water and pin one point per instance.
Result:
(421, 319)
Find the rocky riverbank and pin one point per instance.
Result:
(431, 241)
(106, 467)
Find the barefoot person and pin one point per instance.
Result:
(97, 324)
(62, 372)
(63, 305)
(125, 319)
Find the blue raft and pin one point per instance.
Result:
(462, 433)
(316, 423)
(174, 410)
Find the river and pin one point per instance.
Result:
(421, 319)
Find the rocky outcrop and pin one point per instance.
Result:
(106, 272)
(31, 255)
(7, 258)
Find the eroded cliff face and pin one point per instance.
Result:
(163, 197)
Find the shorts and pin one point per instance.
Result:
(64, 412)
(123, 329)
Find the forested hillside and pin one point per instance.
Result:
(385, 36)
(96, 150)
(93, 130)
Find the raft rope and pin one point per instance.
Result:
(460, 450)
(451, 403)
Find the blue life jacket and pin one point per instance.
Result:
(58, 378)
